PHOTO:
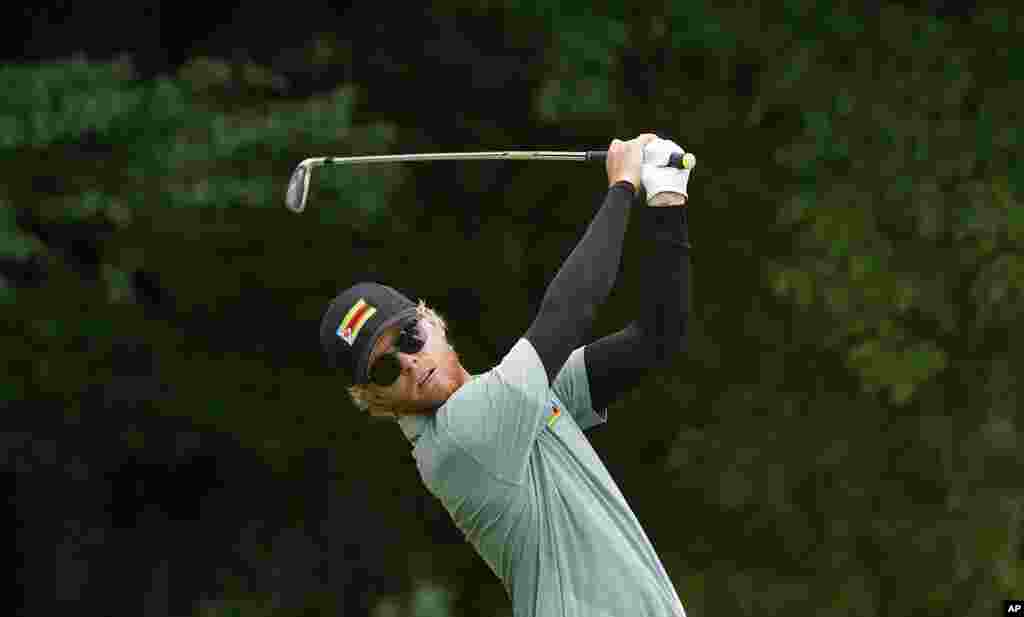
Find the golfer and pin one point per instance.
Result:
(504, 449)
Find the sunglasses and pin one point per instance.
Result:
(386, 369)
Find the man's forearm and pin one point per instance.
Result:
(587, 276)
(664, 310)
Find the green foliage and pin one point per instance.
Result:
(696, 27)
(584, 55)
(864, 225)
(431, 601)
(583, 52)
(137, 165)
(885, 147)
(213, 157)
(901, 371)
(50, 102)
(844, 430)
(173, 146)
(998, 292)
(14, 242)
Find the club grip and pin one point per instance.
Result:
(676, 159)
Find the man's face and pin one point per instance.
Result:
(409, 393)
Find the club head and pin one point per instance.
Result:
(298, 188)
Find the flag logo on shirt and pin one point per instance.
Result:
(354, 320)
(556, 413)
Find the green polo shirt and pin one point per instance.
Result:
(507, 457)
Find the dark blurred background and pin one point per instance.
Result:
(841, 439)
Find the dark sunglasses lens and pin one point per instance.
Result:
(385, 370)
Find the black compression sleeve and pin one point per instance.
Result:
(619, 362)
(582, 283)
(665, 310)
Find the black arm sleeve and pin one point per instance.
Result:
(618, 362)
(582, 284)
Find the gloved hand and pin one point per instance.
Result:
(665, 186)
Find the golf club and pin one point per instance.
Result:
(298, 185)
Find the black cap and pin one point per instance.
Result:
(353, 322)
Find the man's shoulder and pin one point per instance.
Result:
(519, 371)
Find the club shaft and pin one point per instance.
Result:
(676, 159)
(298, 185)
(531, 155)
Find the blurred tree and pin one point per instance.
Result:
(843, 437)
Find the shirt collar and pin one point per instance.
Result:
(413, 425)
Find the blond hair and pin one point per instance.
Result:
(364, 396)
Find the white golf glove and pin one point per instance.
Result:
(665, 186)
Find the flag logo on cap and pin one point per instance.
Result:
(354, 320)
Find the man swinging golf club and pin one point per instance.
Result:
(504, 450)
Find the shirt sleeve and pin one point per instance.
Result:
(496, 417)
(572, 387)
